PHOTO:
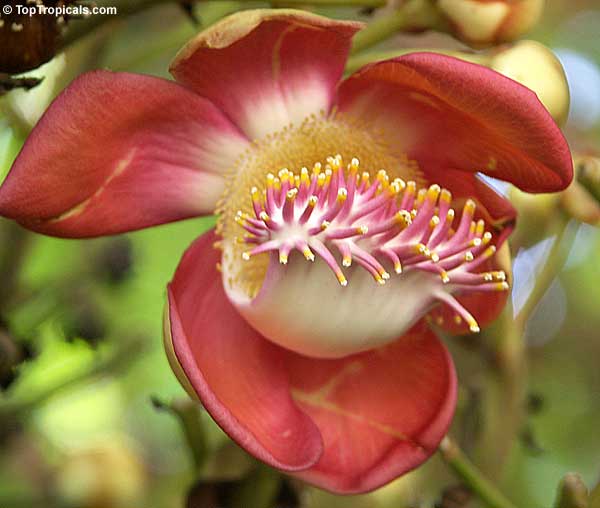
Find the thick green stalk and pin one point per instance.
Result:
(565, 235)
(413, 14)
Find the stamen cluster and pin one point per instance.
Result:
(371, 222)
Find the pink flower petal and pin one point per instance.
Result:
(347, 425)
(267, 68)
(239, 376)
(450, 114)
(117, 152)
(381, 413)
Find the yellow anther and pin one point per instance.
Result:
(341, 279)
(475, 242)
(489, 252)
(401, 184)
(328, 174)
(480, 228)
(277, 184)
(270, 179)
(394, 188)
(421, 197)
(469, 256)
(500, 276)
(472, 228)
(353, 166)
(433, 192)
(308, 254)
(444, 276)
(403, 218)
(380, 280)
(342, 195)
(312, 201)
(321, 180)
(337, 163)
(487, 236)
(291, 194)
(450, 215)
(446, 196)
(246, 256)
(473, 326)
(435, 220)
(413, 213)
(384, 274)
(365, 178)
(397, 267)
(347, 260)
(304, 178)
(284, 174)
(264, 216)
(362, 230)
(255, 194)
(297, 180)
(283, 258)
(470, 207)
(325, 224)
(502, 286)
(434, 257)
(317, 168)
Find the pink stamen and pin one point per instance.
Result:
(363, 219)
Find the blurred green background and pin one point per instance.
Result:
(82, 323)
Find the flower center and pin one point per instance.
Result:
(295, 147)
(381, 249)
(372, 222)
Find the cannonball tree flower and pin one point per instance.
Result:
(352, 218)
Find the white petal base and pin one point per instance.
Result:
(301, 306)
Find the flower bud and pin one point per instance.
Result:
(534, 65)
(106, 474)
(535, 212)
(581, 200)
(484, 22)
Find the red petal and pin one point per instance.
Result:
(381, 413)
(239, 376)
(448, 113)
(372, 416)
(497, 211)
(267, 68)
(116, 152)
